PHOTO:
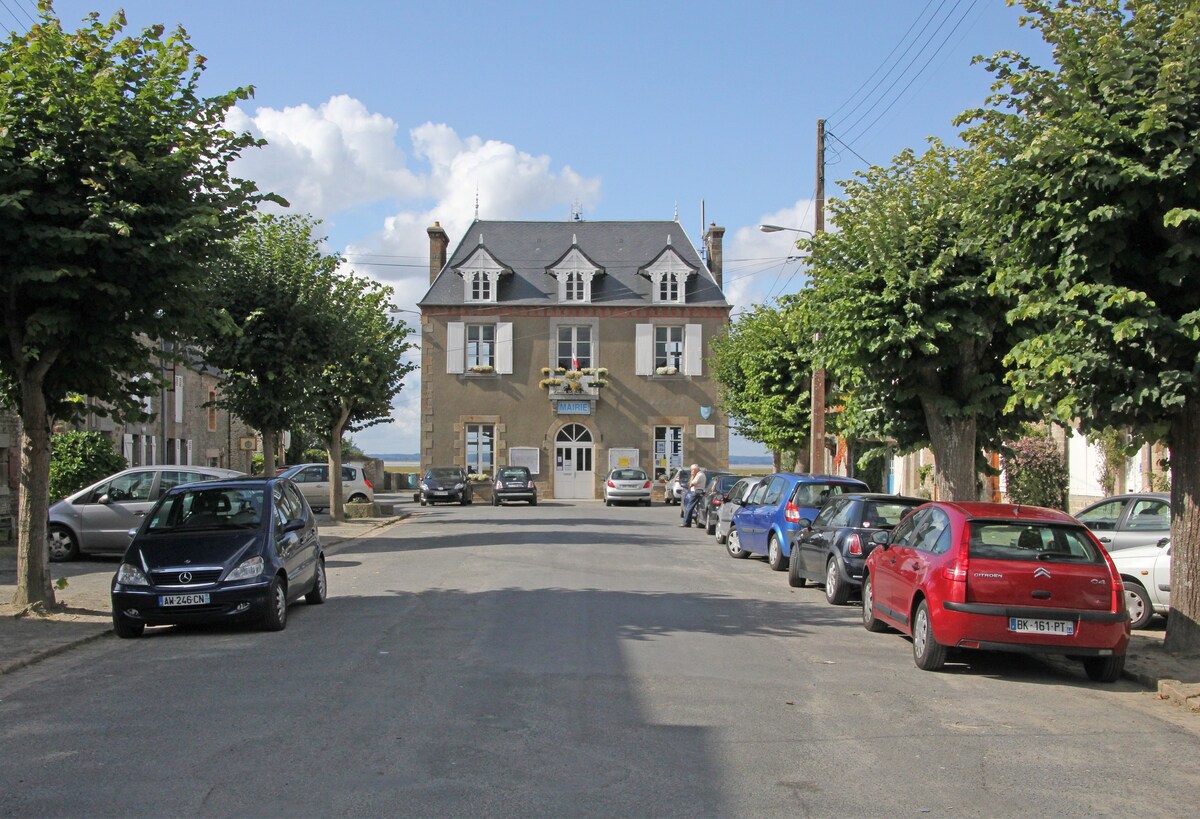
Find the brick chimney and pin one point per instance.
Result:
(438, 242)
(712, 245)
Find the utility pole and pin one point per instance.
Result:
(816, 451)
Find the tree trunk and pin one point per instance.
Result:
(336, 492)
(953, 441)
(1183, 632)
(33, 560)
(270, 441)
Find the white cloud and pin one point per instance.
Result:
(757, 267)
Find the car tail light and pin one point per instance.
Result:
(854, 544)
(613, 485)
(791, 513)
(646, 485)
(367, 481)
(1118, 586)
(499, 484)
(529, 485)
(956, 570)
(717, 501)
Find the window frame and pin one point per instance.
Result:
(664, 360)
(475, 451)
(472, 347)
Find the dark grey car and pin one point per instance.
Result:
(97, 519)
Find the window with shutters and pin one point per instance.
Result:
(478, 348)
(481, 346)
(668, 349)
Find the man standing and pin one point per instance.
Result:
(695, 491)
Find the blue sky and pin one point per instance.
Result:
(384, 116)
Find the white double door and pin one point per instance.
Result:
(574, 470)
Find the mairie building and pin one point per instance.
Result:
(572, 348)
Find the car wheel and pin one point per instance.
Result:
(775, 558)
(275, 618)
(795, 580)
(607, 502)
(733, 545)
(1137, 600)
(358, 497)
(928, 653)
(712, 527)
(61, 543)
(320, 586)
(836, 592)
(721, 538)
(462, 501)
(495, 500)
(1104, 669)
(423, 502)
(125, 628)
(533, 502)
(870, 621)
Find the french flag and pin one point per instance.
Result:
(574, 363)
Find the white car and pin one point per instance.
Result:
(313, 482)
(676, 487)
(626, 485)
(1146, 572)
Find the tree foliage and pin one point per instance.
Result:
(1099, 214)
(114, 189)
(1035, 472)
(762, 366)
(902, 294)
(79, 458)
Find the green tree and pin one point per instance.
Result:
(1035, 471)
(1099, 210)
(79, 458)
(270, 298)
(762, 366)
(901, 296)
(114, 186)
(364, 368)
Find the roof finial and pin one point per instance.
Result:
(676, 210)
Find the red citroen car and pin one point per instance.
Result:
(998, 577)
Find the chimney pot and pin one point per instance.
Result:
(713, 240)
(438, 244)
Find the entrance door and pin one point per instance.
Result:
(574, 474)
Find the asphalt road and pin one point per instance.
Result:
(573, 660)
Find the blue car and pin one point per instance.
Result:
(775, 509)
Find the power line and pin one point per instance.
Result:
(829, 133)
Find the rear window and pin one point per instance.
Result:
(628, 475)
(1023, 541)
(885, 514)
(513, 472)
(725, 482)
(815, 494)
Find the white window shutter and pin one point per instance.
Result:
(644, 349)
(504, 347)
(456, 346)
(691, 349)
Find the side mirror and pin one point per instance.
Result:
(1163, 542)
(104, 499)
(293, 525)
(132, 532)
(805, 523)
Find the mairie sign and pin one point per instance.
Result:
(574, 407)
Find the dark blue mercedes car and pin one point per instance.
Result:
(224, 550)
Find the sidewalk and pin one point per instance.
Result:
(86, 617)
(86, 613)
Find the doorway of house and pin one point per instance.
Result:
(574, 473)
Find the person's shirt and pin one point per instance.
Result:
(699, 482)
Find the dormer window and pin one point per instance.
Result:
(575, 273)
(481, 274)
(668, 276)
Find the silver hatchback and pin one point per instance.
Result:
(627, 485)
(98, 519)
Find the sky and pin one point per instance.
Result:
(384, 116)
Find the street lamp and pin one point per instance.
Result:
(816, 435)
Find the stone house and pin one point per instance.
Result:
(571, 348)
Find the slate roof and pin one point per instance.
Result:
(529, 248)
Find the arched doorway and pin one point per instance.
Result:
(574, 474)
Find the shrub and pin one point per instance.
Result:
(78, 459)
(1035, 472)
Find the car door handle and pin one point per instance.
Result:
(916, 566)
(1106, 540)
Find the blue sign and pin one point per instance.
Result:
(705, 412)
(574, 407)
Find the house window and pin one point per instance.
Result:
(668, 347)
(481, 286)
(481, 448)
(481, 345)
(574, 347)
(668, 287)
(668, 451)
(574, 288)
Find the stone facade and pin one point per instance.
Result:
(481, 416)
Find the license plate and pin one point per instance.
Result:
(1029, 625)
(183, 600)
(439, 492)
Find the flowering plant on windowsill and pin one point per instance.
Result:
(666, 371)
(482, 368)
(547, 383)
(545, 371)
(476, 477)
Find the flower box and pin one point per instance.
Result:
(482, 368)
(666, 371)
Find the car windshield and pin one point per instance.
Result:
(512, 472)
(1004, 540)
(628, 475)
(215, 508)
(445, 474)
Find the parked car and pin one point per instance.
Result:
(224, 550)
(1125, 521)
(1146, 573)
(627, 485)
(97, 519)
(834, 548)
(514, 483)
(673, 495)
(313, 482)
(709, 507)
(774, 509)
(445, 484)
(734, 498)
(998, 577)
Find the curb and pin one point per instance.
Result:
(46, 654)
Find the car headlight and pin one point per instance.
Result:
(130, 575)
(247, 570)
(458, 486)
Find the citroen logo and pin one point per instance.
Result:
(185, 577)
(1041, 571)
